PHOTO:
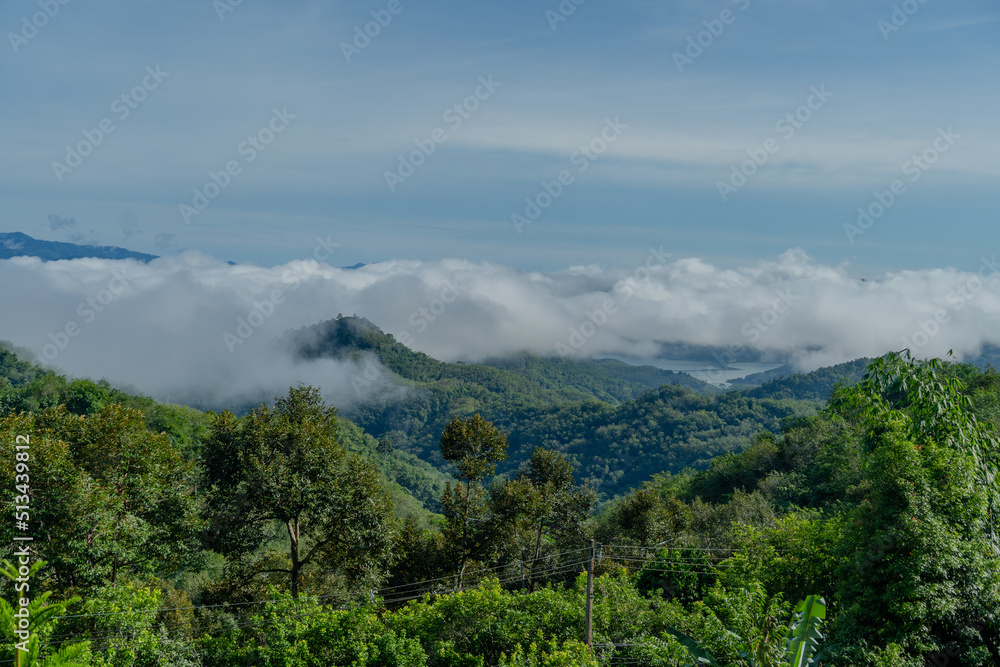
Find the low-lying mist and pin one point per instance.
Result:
(194, 329)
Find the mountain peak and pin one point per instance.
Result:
(18, 244)
(351, 337)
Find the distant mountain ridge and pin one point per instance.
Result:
(617, 423)
(555, 379)
(813, 386)
(18, 244)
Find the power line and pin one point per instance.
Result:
(378, 592)
(400, 596)
(393, 594)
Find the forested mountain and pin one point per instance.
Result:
(763, 496)
(163, 535)
(24, 386)
(16, 244)
(537, 379)
(615, 422)
(606, 379)
(813, 386)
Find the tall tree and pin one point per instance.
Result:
(922, 569)
(107, 496)
(475, 446)
(283, 466)
(544, 497)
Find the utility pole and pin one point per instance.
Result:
(590, 597)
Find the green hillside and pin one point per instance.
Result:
(25, 387)
(221, 540)
(605, 379)
(535, 379)
(615, 422)
(812, 386)
(289, 535)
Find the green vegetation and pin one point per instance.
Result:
(813, 386)
(29, 388)
(38, 614)
(285, 536)
(614, 422)
(284, 467)
(115, 497)
(474, 445)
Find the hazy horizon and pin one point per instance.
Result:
(534, 136)
(813, 180)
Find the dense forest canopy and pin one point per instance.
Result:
(731, 528)
(615, 422)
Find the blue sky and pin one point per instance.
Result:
(323, 175)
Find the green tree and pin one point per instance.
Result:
(84, 397)
(921, 568)
(933, 407)
(757, 635)
(545, 499)
(475, 446)
(306, 633)
(423, 556)
(30, 650)
(108, 497)
(643, 518)
(682, 574)
(283, 467)
(123, 631)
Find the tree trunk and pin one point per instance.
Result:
(114, 566)
(465, 535)
(538, 553)
(293, 535)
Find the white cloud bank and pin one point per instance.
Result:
(192, 324)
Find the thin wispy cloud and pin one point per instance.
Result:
(356, 117)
